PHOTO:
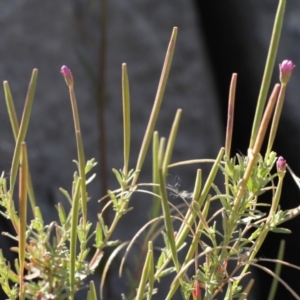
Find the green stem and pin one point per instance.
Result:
(23, 129)
(23, 179)
(73, 236)
(156, 106)
(171, 142)
(80, 154)
(230, 115)
(268, 70)
(167, 219)
(145, 273)
(230, 122)
(15, 128)
(276, 117)
(92, 292)
(155, 179)
(278, 267)
(126, 117)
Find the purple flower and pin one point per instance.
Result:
(67, 75)
(281, 164)
(286, 68)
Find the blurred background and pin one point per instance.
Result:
(93, 38)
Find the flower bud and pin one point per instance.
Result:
(196, 291)
(281, 164)
(67, 75)
(286, 68)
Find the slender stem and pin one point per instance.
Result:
(155, 179)
(145, 274)
(230, 115)
(151, 272)
(101, 94)
(126, 117)
(73, 236)
(167, 219)
(15, 128)
(80, 154)
(156, 106)
(23, 129)
(197, 185)
(11, 109)
(23, 179)
(211, 177)
(278, 267)
(93, 294)
(276, 117)
(230, 122)
(171, 141)
(268, 70)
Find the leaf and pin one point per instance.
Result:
(99, 235)
(281, 230)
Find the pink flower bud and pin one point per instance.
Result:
(281, 164)
(196, 291)
(67, 75)
(286, 68)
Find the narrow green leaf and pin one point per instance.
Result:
(114, 200)
(66, 194)
(118, 176)
(61, 214)
(281, 230)
(99, 235)
(38, 214)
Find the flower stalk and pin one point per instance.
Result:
(286, 68)
(66, 72)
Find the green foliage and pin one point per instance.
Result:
(54, 259)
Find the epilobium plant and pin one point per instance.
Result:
(53, 258)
